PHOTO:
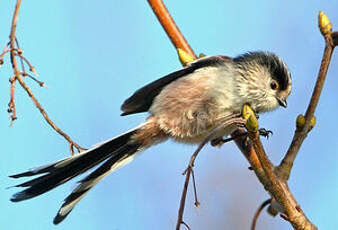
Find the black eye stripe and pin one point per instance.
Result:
(279, 72)
(272, 62)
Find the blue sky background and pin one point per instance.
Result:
(94, 54)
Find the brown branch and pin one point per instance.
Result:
(31, 68)
(44, 114)
(189, 170)
(11, 105)
(170, 27)
(6, 50)
(20, 51)
(187, 226)
(15, 51)
(258, 212)
(197, 203)
(249, 152)
(284, 169)
(24, 74)
(279, 189)
(272, 184)
(12, 36)
(253, 150)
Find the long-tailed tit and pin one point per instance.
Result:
(185, 105)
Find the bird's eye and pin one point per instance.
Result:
(274, 85)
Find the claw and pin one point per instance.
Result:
(220, 140)
(265, 133)
(241, 126)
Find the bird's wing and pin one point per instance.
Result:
(143, 98)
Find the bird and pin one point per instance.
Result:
(185, 105)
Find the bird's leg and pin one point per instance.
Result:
(220, 140)
(265, 133)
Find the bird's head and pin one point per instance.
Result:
(264, 80)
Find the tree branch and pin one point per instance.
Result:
(12, 36)
(170, 27)
(15, 51)
(189, 170)
(279, 189)
(258, 212)
(284, 169)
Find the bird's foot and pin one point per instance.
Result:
(265, 133)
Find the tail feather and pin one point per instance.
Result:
(35, 171)
(64, 170)
(124, 155)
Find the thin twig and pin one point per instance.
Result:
(286, 164)
(197, 203)
(24, 74)
(16, 51)
(219, 142)
(258, 212)
(185, 224)
(12, 36)
(44, 114)
(19, 52)
(31, 68)
(232, 120)
(11, 104)
(5, 50)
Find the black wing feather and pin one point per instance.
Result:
(143, 98)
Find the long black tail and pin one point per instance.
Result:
(113, 153)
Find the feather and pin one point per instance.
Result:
(62, 171)
(122, 156)
(143, 98)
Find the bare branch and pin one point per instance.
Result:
(249, 152)
(15, 51)
(11, 105)
(170, 26)
(44, 114)
(231, 120)
(279, 189)
(284, 169)
(12, 36)
(258, 212)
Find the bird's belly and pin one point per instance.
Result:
(192, 129)
(198, 138)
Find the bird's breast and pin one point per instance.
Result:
(189, 108)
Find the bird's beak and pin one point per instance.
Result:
(282, 102)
